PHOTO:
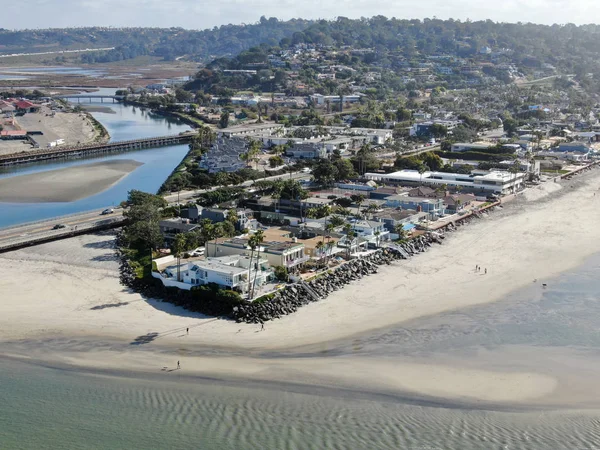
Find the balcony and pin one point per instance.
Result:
(297, 261)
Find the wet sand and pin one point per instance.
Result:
(65, 185)
(75, 311)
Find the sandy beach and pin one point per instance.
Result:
(65, 185)
(74, 310)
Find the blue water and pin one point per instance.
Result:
(128, 123)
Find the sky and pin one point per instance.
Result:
(200, 14)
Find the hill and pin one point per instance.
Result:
(328, 55)
(167, 43)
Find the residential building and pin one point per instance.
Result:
(220, 215)
(457, 202)
(287, 252)
(382, 193)
(391, 218)
(224, 155)
(306, 150)
(235, 272)
(577, 146)
(170, 228)
(373, 232)
(432, 206)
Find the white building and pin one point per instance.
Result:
(488, 182)
(230, 272)
(373, 232)
(465, 147)
(322, 99)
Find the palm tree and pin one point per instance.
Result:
(260, 237)
(179, 246)
(370, 209)
(349, 237)
(515, 167)
(311, 213)
(319, 248)
(358, 199)
(400, 231)
(252, 243)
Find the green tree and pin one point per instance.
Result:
(224, 120)
(325, 172)
(358, 199)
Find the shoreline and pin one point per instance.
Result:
(84, 317)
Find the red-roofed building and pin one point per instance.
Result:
(25, 106)
(13, 134)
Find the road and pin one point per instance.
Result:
(42, 231)
(80, 223)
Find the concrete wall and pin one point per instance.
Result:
(171, 283)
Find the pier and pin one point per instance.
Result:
(92, 149)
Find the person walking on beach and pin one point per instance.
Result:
(262, 327)
(178, 366)
(486, 271)
(187, 330)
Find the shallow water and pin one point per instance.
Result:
(48, 408)
(552, 331)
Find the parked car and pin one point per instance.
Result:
(198, 252)
(107, 211)
(59, 226)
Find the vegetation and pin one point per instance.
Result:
(166, 43)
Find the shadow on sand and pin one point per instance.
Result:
(182, 331)
(109, 305)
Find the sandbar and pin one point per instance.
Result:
(65, 185)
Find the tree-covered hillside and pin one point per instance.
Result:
(167, 43)
(411, 52)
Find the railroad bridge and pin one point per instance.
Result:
(90, 97)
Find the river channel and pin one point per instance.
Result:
(125, 122)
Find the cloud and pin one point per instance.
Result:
(198, 14)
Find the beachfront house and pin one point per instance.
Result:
(235, 272)
(434, 207)
(371, 231)
(391, 218)
(457, 202)
(288, 253)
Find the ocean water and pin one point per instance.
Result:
(552, 330)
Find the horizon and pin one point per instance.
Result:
(50, 14)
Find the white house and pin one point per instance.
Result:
(230, 272)
(371, 231)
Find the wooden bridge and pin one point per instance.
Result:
(92, 149)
